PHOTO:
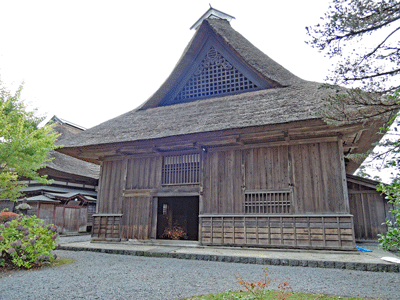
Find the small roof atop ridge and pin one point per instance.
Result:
(212, 13)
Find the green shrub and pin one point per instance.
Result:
(26, 242)
(391, 240)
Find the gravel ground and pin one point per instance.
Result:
(109, 276)
(65, 239)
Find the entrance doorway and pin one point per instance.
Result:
(180, 213)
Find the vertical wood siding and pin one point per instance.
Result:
(117, 176)
(143, 173)
(309, 176)
(227, 173)
(46, 213)
(266, 168)
(136, 218)
(222, 182)
(370, 209)
(317, 178)
(111, 187)
(71, 219)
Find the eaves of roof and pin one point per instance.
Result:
(49, 188)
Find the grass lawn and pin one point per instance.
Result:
(267, 294)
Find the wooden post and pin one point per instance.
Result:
(339, 231)
(201, 201)
(323, 230)
(363, 205)
(153, 234)
(346, 204)
(99, 194)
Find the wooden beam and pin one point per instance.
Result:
(138, 193)
(271, 135)
(279, 143)
(177, 191)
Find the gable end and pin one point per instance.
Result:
(215, 71)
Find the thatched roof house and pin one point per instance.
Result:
(254, 129)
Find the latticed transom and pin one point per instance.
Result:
(181, 169)
(267, 202)
(215, 76)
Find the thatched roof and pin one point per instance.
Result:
(65, 163)
(293, 99)
(293, 103)
(287, 99)
(73, 166)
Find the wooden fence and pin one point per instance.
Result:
(295, 231)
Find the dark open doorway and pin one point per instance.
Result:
(181, 212)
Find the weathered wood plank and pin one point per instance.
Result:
(277, 231)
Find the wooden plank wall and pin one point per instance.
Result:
(59, 216)
(134, 173)
(83, 218)
(136, 219)
(71, 218)
(222, 182)
(266, 168)
(317, 178)
(313, 171)
(370, 209)
(143, 173)
(91, 211)
(111, 185)
(317, 232)
(46, 212)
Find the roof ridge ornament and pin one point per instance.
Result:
(212, 13)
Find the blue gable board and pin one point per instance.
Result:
(215, 71)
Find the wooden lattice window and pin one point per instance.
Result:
(181, 169)
(267, 202)
(215, 76)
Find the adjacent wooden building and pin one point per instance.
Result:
(368, 207)
(70, 201)
(232, 149)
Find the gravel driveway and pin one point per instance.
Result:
(109, 276)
